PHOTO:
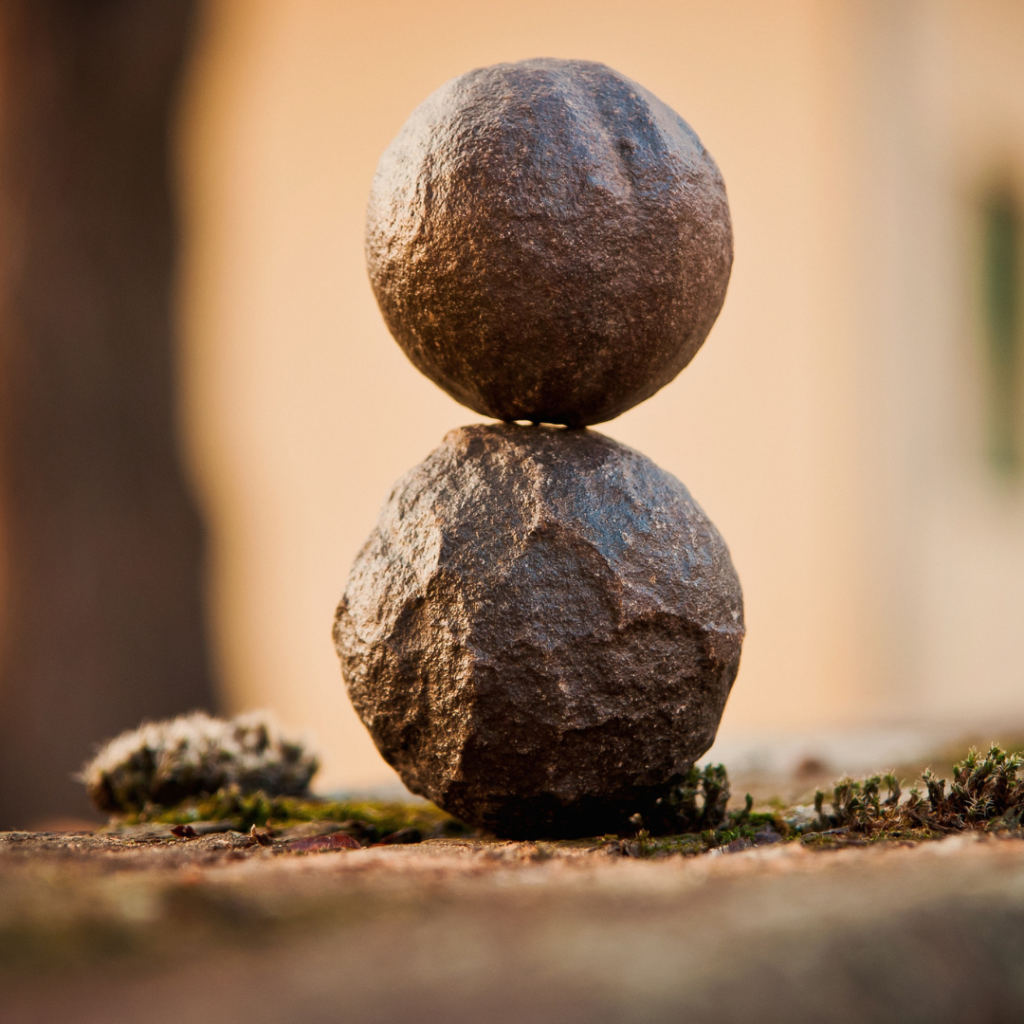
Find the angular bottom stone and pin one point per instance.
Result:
(542, 630)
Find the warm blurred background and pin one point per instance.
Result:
(854, 424)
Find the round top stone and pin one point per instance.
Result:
(548, 241)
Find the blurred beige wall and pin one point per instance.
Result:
(795, 427)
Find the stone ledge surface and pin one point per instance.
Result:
(116, 928)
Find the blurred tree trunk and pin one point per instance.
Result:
(102, 620)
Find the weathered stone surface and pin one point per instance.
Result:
(548, 241)
(497, 932)
(542, 630)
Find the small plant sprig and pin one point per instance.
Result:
(857, 804)
(697, 804)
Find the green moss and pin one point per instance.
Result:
(987, 794)
(243, 810)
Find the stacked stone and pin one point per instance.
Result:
(542, 630)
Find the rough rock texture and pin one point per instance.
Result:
(542, 630)
(548, 241)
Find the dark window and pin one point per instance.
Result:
(1003, 328)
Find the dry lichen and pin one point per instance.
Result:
(235, 775)
(161, 764)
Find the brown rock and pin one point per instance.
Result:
(548, 241)
(542, 630)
